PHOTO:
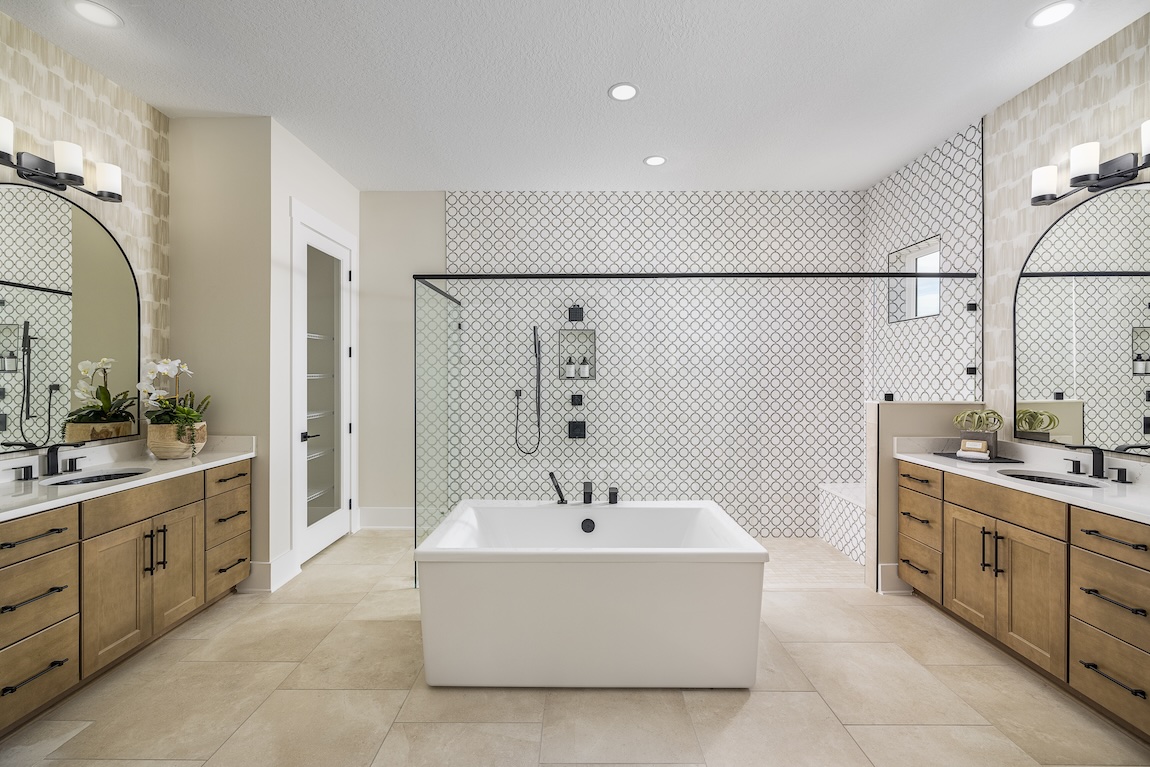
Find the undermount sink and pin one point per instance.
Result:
(85, 479)
(1046, 479)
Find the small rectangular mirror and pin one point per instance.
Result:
(910, 297)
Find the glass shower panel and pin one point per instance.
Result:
(437, 340)
(324, 494)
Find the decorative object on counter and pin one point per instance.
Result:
(1087, 172)
(981, 426)
(100, 415)
(974, 450)
(1035, 424)
(176, 426)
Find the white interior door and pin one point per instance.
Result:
(322, 405)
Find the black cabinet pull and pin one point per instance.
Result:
(915, 479)
(997, 569)
(920, 520)
(1094, 593)
(164, 551)
(237, 476)
(1094, 667)
(14, 544)
(983, 564)
(51, 666)
(15, 607)
(233, 516)
(151, 538)
(229, 567)
(913, 566)
(1135, 546)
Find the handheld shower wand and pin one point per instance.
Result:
(537, 348)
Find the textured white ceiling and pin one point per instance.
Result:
(511, 94)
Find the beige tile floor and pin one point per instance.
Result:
(328, 671)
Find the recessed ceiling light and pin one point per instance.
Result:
(622, 91)
(95, 13)
(1052, 14)
(655, 160)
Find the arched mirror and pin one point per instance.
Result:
(67, 295)
(1082, 327)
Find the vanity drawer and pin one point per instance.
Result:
(38, 533)
(920, 478)
(913, 558)
(224, 478)
(38, 592)
(228, 564)
(228, 515)
(41, 667)
(920, 517)
(1124, 664)
(1087, 528)
(1033, 512)
(1112, 580)
(111, 512)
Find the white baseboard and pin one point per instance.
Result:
(401, 517)
(890, 583)
(269, 576)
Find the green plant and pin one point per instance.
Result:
(172, 407)
(97, 404)
(979, 420)
(1035, 420)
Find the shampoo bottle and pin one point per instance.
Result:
(1139, 365)
(569, 368)
(584, 369)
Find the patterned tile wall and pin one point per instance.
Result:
(842, 519)
(937, 195)
(51, 95)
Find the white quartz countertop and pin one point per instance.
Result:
(21, 498)
(1127, 501)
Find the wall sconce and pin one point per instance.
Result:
(1086, 172)
(66, 171)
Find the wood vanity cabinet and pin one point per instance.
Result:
(920, 530)
(229, 523)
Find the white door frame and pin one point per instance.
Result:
(310, 229)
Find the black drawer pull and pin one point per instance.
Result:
(914, 478)
(14, 544)
(233, 516)
(913, 566)
(916, 519)
(48, 593)
(13, 688)
(1135, 546)
(234, 476)
(1094, 593)
(229, 567)
(1094, 667)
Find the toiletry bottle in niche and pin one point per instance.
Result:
(1139, 365)
(569, 368)
(584, 369)
(10, 362)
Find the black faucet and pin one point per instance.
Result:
(555, 484)
(53, 467)
(1097, 460)
(586, 492)
(1128, 448)
(612, 495)
(25, 445)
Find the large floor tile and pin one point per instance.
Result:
(879, 683)
(119, 763)
(395, 583)
(186, 714)
(471, 704)
(816, 616)
(1045, 722)
(865, 596)
(31, 743)
(932, 638)
(748, 729)
(451, 744)
(620, 764)
(218, 617)
(365, 548)
(302, 728)
(272, 633)
(958, 746)
(777, 669)
(330, 584)
(363, 655)
(393, 605)
(618, 726)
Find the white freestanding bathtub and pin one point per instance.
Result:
(658, 594)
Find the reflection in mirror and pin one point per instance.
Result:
(912, 297)
(1082, 303)
(68, 295)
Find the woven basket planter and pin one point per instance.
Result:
(163, 443)
(86, 432)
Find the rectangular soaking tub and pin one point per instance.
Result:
(640, 594)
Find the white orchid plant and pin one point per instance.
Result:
(170, 407)
(97, 405)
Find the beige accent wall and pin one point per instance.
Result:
(50, 95)
(1103, 96)
(401, 234)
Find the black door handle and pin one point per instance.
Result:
(304, 436)
(164, 551)
(151, 568)
(983, 563)
(997, 569)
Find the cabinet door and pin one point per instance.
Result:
(116, 601)
(968, 579)
(1032, 605)
(179, 581)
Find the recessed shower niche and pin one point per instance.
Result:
(577, 361)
